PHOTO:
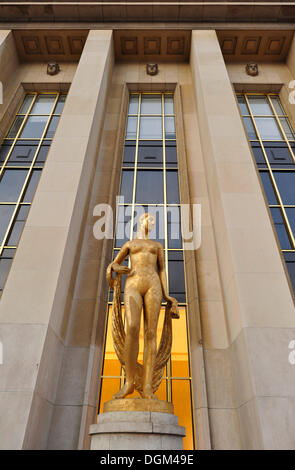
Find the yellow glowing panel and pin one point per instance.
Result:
(181, 397)
(108, 388)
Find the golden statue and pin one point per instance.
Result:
(145, 286)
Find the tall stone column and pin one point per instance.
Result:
(33, 308)
(258, 303)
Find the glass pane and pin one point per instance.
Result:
(259, 105)
(149, 187)
(174, 227)
(181, 394)
(172, 187)
(150, 127)
(170, 128)
(15, 233)
(22, 154)
(268, 188)
(133, 104)
(150, 153)
(34, 127)
(11, 184)
(250, 129)
(5, 264)
(6, 212)
(278, 154)
(179, 351)
(286, 184)
(15, 126)
(131, 128)
(43, 104)
(169, 104)
(171, 154)
(290, 211)
(123, 228)
(151, 104)
(280, 228)
(26, 104)
(268, 129)
(277, 105)
(129, 154)
(258, 154)
(60, 104)
(31, 188)
(52, 127)
(43, 151)
(242, 105)
(287, 128)
(290, 262)
(108, 388)
(127, 185)
(176, 275)
(4, 149)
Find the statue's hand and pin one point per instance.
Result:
(117, 268)
(174, 306)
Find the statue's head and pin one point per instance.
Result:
(252, 69)
(147, 222)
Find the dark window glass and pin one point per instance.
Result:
(127, 185)
(15, 126)
(258, 154)
(18, 225)
(290, 211)
(280, 228)
(149, 187)
(11, 184)
(5, 264)
(268, 188)
(278, 154)
(52, 127)
(60, 104)
(172, 187)
(31, 188)
(122, 229)
(129, 154)
(34, 127)
(150, 153)
(174, 227)
(42, 154)
(23, 153)
(176, 275)
(290, 262)
(171, 154)
(286, 185)
(4, 149)
(6, 212)
(242, 104)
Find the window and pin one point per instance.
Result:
(273, 144)
(150, 179)
(22, 156)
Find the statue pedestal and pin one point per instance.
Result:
(137, 424)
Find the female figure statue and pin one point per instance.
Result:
(145, 286)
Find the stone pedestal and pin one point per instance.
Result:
(136, 430)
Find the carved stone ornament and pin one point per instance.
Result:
(53, 68)
(252, 69)
(152, 69)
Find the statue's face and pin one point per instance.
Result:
(147, 221)
(252, 69)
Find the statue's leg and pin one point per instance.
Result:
(152, 306)
(133, 306)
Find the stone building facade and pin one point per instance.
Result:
(239, 304)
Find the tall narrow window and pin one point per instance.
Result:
(22, 156)
(150, 179)
(272, 140)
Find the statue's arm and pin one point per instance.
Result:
(116, 264)
(163, 279)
